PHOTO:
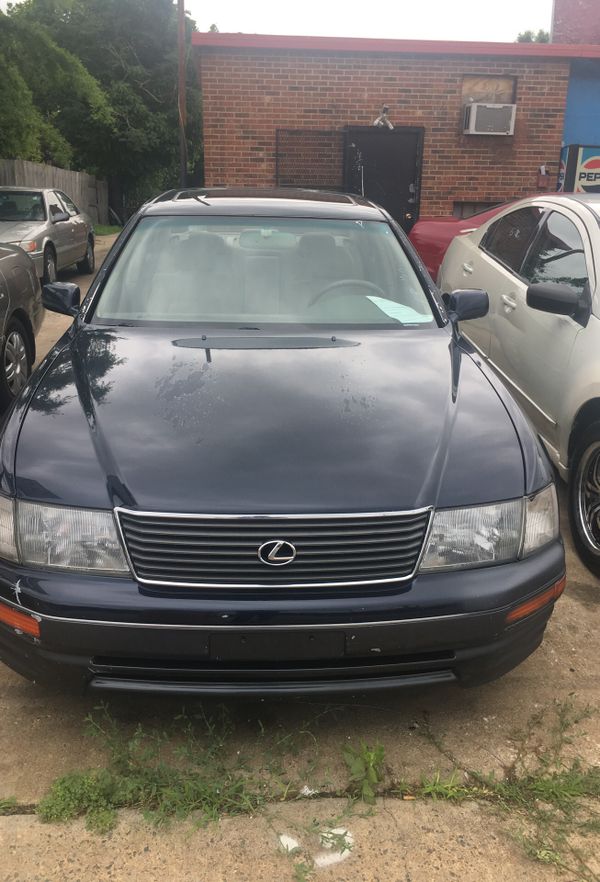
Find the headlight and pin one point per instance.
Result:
(491, 534)
(65, 538)
(474, 537)
(28, 245)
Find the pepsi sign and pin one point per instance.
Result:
(587, 174)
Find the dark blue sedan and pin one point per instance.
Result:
(263, 460)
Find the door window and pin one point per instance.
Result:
(509, 237)
(557, 255)
(54, 205)
(69, 204)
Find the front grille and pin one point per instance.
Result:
(223, 550)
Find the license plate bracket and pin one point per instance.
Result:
(277, 646)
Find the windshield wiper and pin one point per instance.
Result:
(200, 199)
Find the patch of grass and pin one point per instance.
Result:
(146, 771)
(365, 765)
(437, 787)
(8, 805)
(302, 872)
(106, 230)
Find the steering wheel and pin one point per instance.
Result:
(335, 287)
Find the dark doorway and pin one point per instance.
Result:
(385, 166)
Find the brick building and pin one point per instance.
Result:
(300, 111)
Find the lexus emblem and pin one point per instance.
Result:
(276, 552)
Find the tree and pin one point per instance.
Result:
(531, 37)
(129, 47)
(55, 94)
(20, 129)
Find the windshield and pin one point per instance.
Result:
(257, 271)
(21, 205)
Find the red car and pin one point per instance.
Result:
(432, 235)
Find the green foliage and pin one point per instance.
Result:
(106, 230)
(60, 91)
(103, 74)
(302, 872)
(8, 805)
(365, 765)
(21, 122)
(541, 36)
(140, 774)
(437, 787)
(551, 799)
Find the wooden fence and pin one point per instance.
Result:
(86, 192)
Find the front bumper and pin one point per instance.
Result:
(447, 627)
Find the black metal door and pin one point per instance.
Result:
(385, 166)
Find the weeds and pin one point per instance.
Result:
(140, 774)
(547, 796)
(365, 765)
(8, 805)
(551, 799)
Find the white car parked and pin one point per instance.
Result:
(539, 261)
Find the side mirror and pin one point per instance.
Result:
(63, 297)
(467, 303)
(58, 216)
(555, 298)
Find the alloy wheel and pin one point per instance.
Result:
(16, 368)
(50, 268)
(588, 495)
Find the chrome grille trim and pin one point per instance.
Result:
(378, 548)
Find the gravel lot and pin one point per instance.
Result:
(398, 840)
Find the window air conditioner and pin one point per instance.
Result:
(490, 119)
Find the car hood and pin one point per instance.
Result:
(16, 231)
(168, 421)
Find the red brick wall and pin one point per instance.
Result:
(576, 21)
(248, 94)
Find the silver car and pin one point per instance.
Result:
(21, 315)
(539, 261)
(49, 227)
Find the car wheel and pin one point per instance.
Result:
(15, 362)
(584, 498)
(88, 264)
(49, 265)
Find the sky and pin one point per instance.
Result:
(501, 20)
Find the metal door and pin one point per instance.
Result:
(385, 165)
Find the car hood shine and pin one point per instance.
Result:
(16, 231)
(165, 421)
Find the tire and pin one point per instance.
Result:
(584, 497)
(88, 264)
(49, 265)
(15, 362)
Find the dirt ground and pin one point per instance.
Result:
(422, 733)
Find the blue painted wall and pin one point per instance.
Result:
(582, 116)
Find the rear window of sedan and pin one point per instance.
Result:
(255, 271)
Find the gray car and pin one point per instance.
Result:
(49, 227)
(21, 314)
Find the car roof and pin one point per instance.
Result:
(25, 189)
(264, 203)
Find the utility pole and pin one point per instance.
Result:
(181, 103)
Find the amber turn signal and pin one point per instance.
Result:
(20, 621)
(537, 602)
